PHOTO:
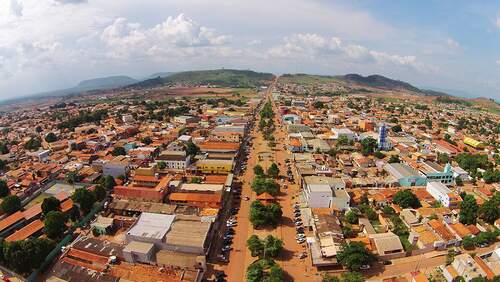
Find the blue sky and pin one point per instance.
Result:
(52, 44)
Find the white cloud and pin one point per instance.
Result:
(498, 62)
(175, 35)
(497, 21)
(452, 43)
(318, 47)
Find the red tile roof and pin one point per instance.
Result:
(10, 220)
(26, 231)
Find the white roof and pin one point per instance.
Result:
(152, 225)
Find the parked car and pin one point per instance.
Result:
(302, 255)
(298, 223)
(226, 248)
(364, 267)
(387, 262)
(300, 241)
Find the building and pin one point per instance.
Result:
(473, 143)
(325, 192)
(388, 245)
(463, 265)
(186, 119)
(443, 194)
(174, 160)
(120, 165)
(383, 142)
(214, 166)
(366, 125)
(405, 175)
(437, 173)
(139, 252)
(346, 132)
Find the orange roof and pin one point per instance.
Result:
(11, 219)
(489, 273)
(146, 178)
(87, 256)
(33, 211)
(265, 196)
(441, 230)
(26, 231)
(214, 145)
(295, 142)
(215, 179)
(460, 229)
(66, 205)
(195, 197)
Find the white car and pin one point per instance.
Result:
(364, 267)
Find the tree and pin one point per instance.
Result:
(347, 231)
(342, 140)
(352, 217)
(10, 204)
(368, 146)
(459, 181)
(258, 170)
(397, 128)
(353, 255)
(50, 137)
(23, 256)
(486, 237)
(118, 151)
(273, 171)
(272, 246)
(490, 210)
(468, 210)
(406, 199)
(364, 199)
(85, 198)
(261, 215)
(491, 176)
(371, 214)
(100, 193)
(72, 177)
(3, 149)
(318, 105)
(255, 245)
(379, 155)
(195, 180)
(108, 182)
(4, 190)
(55, 225)
(33, 144)
(147, 140)
(443, 158)
(192, 149)
(394, 159)
(468, 242)
(50, 204)
(264, 270)
(261, 185)
(161, 165)
(388, 210)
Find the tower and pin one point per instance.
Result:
(382, 137)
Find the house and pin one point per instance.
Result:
(120, 165)
(174, 160)
(186, 119)
(435, 172)
(405, 175)
(476, 144)
(345, 132)
(102, 225)
(443, 194)
(325, 192)
(214, 166)
(463, 265)
(388, 245)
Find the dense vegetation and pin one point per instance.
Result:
(263, 215)
(221, 78)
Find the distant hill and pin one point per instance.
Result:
(101, 83)
(220, 77)
(159, 74)
(105, 82)
(365, 82)
(379, 81)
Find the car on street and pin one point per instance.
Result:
(298, 223)
(364, 267)
(387, 262)
(302, 255)
(299, 229)
(231, 224)
(300, 241)
(226, 248)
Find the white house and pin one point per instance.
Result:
(338, 132)
(442, 194)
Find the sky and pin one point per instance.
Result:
(444, 44)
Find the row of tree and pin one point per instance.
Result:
(24, 256)
(265, 215)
